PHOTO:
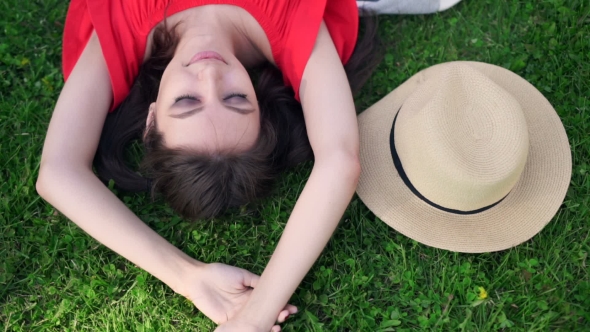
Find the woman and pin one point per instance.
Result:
(213, 142)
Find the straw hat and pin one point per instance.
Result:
(464, 156)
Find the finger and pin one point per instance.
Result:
(283, 315)
(286, 312)
(276, 328)
(291, 309)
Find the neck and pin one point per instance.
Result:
(216, 28)
(198, 29)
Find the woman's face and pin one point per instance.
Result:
(206, 102)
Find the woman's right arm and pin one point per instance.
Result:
(67, 182)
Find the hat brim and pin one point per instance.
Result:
(529, 206)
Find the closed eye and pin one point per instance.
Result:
(235, 95)
(189, 97)
(226, 98)
(237, 102)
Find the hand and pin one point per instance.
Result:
(220, 291)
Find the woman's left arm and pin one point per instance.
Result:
(333, 133)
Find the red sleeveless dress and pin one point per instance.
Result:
(123, 26)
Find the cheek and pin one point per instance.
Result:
(162, 87)
(240, 77)
(172, 74)
(172, 84)
(166, 80)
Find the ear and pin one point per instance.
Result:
(149, 121)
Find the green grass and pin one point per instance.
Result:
(53, 277)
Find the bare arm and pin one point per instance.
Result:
(67, 182)
(333, 133)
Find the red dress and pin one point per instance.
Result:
(123, 26)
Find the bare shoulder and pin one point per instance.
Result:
(89, 78)
(323, 65)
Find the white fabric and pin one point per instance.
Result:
(405, 6)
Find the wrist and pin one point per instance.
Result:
(258, 315)
(187, 272)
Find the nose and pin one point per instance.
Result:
(209, 78)
(209, 71)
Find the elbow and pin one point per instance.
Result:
(51, 175)
(350, 171)
(346, 166)
(42, 185)
(54, 177)
(355, 169)
(351, 164)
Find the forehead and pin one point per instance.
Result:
(221, 131)
(212, 139)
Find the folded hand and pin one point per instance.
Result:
(220, 291)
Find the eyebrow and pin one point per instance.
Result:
(188, 113)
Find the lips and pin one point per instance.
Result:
(206, 55)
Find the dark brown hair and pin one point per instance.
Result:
(203, 185)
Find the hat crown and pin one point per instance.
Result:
(462, 139)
